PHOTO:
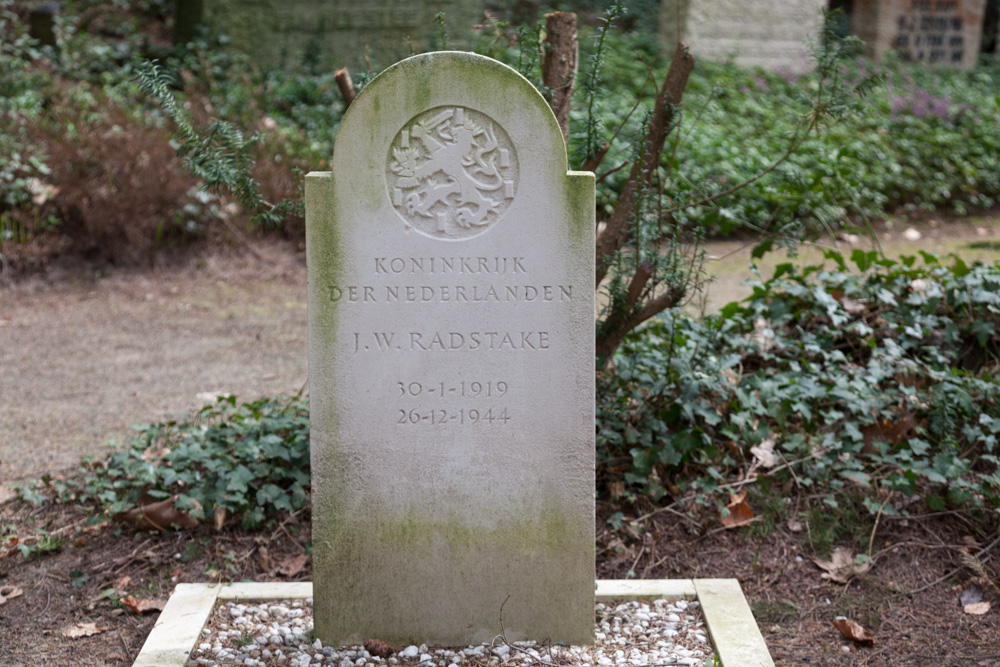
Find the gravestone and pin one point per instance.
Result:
(333, 33)
(758, 33)
(939, 32)
(43, 23)
(451, 344)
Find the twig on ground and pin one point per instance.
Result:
(642, 550)
(294, 541)
(946, 576)
(48, 600)
(871, 538)
(670, 508)
(128, 649)
(281, 526)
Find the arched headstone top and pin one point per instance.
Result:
(457, 78)
(452, 137)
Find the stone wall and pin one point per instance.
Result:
(334, 33)
(938, 32)
(750, 32)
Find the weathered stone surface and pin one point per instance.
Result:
(938, 32)
(750, 32)
(335, 33)
(451, 364)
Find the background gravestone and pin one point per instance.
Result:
(332, 33)
(940, 32)
(451, 351)
(752, 32)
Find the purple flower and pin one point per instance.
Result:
(942, 108)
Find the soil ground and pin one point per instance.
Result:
(85, 357)
(82, 358)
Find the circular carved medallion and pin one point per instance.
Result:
(451, 173)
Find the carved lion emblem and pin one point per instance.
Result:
(452, 173)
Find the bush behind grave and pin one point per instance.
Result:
(925, 140)
(250, 460)
(886, 380)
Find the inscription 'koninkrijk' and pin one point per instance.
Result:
(451, 172)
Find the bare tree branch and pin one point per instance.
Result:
(664, 112)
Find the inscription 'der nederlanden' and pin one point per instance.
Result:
(487, 292)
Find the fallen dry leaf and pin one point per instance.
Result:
(969, 544)
(970, 595)
(853, 630)
(142, 605)
(95, 528)
(739, 512)
(853, 306)
(9, 593)
(378, 648)
(218, 517)
(10, 546)
(155, 453)
(123, 584)
(841, 566)
(292, 566)
(160, 516)
(977, 608)
(82, 630)
(764, 452)
(264, 559)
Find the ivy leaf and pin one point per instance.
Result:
(762, 249)
(239, 479)
(984, 332)
(857, 476)
(863, 259)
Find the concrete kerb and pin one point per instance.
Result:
(734, 632)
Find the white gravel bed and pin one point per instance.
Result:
(653, 634)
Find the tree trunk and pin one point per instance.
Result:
(559, 66)
(346, 86)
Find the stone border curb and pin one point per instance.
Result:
(731, 625)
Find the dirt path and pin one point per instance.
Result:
(973, 239)
(82, 360)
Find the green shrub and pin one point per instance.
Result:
(924, 139)
(250, 459)
(886, 380)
